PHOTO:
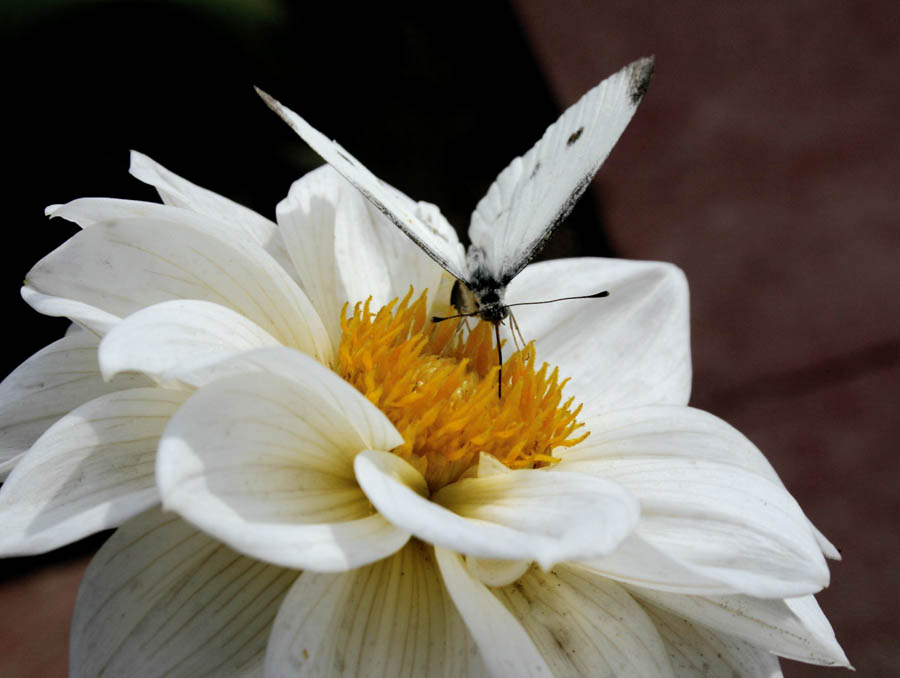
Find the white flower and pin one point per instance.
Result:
(328, 505)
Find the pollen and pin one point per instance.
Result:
(438, 386)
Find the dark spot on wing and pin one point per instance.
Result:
(348, 159)
(641, 72)
(534, 172)
(575, 136)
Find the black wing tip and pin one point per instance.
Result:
(270, 101)
(640, 73)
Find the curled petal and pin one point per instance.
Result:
(51, 383)
(96, 321)
(266, 465)
(493, 572)
(243, 222)
(90, 471)
(521, 515)
(125, 265)
(306, 374)
(88, 212)
(156, 339)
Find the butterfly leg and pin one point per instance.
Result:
(518, 339)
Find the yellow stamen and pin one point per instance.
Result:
(439, 389)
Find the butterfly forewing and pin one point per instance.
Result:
(537, 190)
(430, 234)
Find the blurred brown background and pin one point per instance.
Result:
(764, 161)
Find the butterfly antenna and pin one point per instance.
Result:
(439, 319)
(596, 295)
(499, 361)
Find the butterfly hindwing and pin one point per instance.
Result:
(538, 190)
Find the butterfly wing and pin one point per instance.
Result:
(436, 238)
(538, 190)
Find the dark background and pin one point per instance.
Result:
(763, 161)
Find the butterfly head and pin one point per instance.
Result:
(486, 302)
(481, 294)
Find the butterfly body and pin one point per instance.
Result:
(480, 293)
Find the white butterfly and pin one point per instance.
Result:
(524, 204)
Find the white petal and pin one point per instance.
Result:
(698, 652)
(123, 266)
(87, 212)
(306, 218)
(404, 261)
(158, 338)
(672, 431)
(829, 549)
(729, 524)
(492, 572)
(91, 318)
(306, 374)
(360, 261)
(243, 222)
(265, 464)
(527, 515)
(629, 349)
(586, 625)
(505, 646)
(408, 265)
(391, 618)
(668, 431)
(806, 609)
(91, 470)
(346, 251)
(489, 465)
(161, 598)
(637, 561)
(52, 382)
(576, 515)
(795, 629)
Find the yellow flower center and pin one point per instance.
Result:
(439, 388)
